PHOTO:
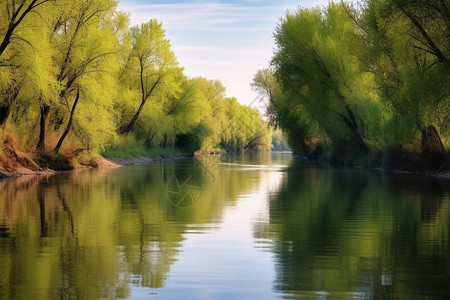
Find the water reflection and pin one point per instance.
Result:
(254, 229)
(93, 234)
(359, 234)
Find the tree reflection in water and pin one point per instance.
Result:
(333, 233)
(92, 234)
(358, 233)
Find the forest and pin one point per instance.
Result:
(364, 83)
(77, 81)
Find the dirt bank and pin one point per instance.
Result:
(15, 165)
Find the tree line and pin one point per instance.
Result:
(364, 83)
(75, 77)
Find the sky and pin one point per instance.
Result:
(221, 40)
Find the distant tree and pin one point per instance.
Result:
(286, 113)
(244, 129)
(212, 95)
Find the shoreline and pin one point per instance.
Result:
(96, 163)
(116, 162)
(445, 175)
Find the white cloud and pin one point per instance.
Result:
(224, 41)
(202, 16)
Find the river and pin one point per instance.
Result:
(256, 226)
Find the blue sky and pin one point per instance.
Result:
(224, 40)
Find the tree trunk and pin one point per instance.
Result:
(45, 110)
(149, 139)
(5, 109)
(163, 143)
(69, 124)
(430, 42)
(354, 128)
(17, 17)
(5, 106)
(145, 96)
(6, 39)
(128, 128)
(432, 147)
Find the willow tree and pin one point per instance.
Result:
(151, 67)
(81, 42)
(16, 48)
(88, 43)
(408, 52)
(26, 73)
(244, 130)
(302, 131)
(190, 111)
(213, 93)
(13, 12)
(317, 68)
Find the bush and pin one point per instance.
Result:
(188, 143)
(129, 147)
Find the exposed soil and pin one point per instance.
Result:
(14, 163)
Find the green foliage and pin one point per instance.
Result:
(318, 70)
(192, 141)
(410, 59)
(128, 147)
(151, 71)
(285, 112)
(356, 82)
(74, 77)
(244, 130)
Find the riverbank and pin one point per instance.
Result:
(17, 168)
(22, 165)
(114, 162)
(445, 175)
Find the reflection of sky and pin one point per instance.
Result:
(224, 261)
(224, 40)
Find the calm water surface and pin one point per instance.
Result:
(263, 226)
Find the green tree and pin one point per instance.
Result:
(190, 111)
(213, 93)
(88, 71)
(407, 49)
(87, 45)
(316, 64)
(74, 75)
(17, 48)
(151, 67)
(283, 111)
(12, 14)
(244, 130)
